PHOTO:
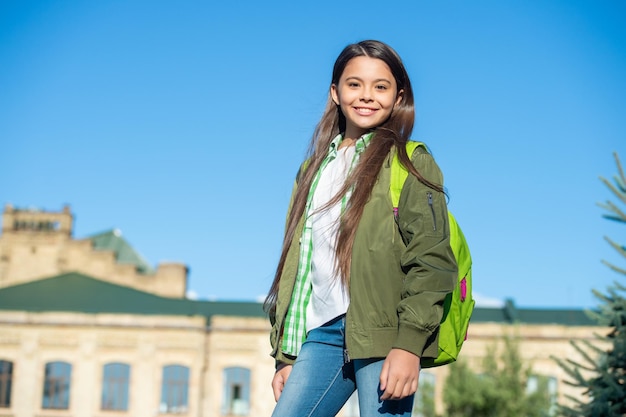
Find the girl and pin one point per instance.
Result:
(357, 296)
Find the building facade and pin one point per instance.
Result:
(88, 328)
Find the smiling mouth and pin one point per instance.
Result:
(365, 111)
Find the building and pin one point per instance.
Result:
(89, 328)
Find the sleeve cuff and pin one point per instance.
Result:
(419, 342)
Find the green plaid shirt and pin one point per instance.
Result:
(294, 332)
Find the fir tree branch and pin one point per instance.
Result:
(619, 248)
(619, 216)
(593, 347)
(615, 190)
(621, 181)
(614, 268)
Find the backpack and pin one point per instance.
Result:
(459, 304)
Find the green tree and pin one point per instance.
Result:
(602, 374)
(499, 391)
(424, 405)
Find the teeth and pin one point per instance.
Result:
(362, 110)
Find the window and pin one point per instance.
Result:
(174, 389)
(236, 391)
(424, 403)
(115, 379)
(6, 379)
(45, 225)
(56, 385)
(544, 385)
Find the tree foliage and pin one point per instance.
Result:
(424, 405)
(501, 390)
(602, 373)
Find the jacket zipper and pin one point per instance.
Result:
(346, 355)
(432, 210)
(395, 224)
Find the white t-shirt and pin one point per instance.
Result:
(328, 298)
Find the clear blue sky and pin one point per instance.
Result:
(183, 124)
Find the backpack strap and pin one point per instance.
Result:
(399, 173)
(461, 249)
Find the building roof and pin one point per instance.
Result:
(112, 240)
(509, 313)
(75, 292)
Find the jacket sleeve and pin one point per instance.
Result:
(427, 261)
(283, 298)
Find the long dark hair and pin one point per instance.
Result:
(396, 130)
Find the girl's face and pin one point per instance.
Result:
(366, 93)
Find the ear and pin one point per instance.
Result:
(334, 94)
(399, 97)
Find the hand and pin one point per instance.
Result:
(280, 379)
(400, 374)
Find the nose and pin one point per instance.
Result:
(366, 95)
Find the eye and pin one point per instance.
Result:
(381, 87)
(353, 84)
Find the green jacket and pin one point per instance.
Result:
(400, 273)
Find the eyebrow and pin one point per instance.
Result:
(354, 77)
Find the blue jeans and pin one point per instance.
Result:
(321, 382)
